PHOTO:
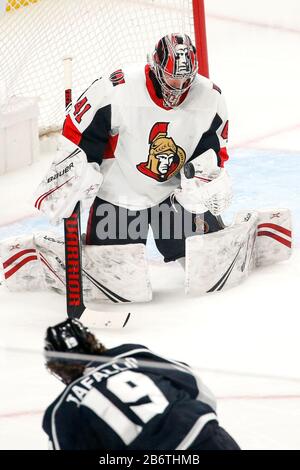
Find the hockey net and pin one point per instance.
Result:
(100, 36)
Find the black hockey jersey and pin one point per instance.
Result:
(135, 401)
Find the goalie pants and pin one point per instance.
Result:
(171, 224)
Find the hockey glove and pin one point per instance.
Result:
(204, 185)
(70, 179)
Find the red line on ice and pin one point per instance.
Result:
(258, 24)
(260, 397)
(246, 143)
(21, 414)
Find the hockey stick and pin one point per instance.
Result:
(73, 253)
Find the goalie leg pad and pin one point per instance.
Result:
(274, 236)
(21, 264)
(115, 274)
(223, 259)
(51, 250)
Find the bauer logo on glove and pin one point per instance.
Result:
(61, 173)
(70, 179)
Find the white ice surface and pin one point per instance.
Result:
(246, 340)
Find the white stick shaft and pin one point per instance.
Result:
(68, 72)
(68, 80)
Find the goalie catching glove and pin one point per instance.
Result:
(70, 179)
(204, 186)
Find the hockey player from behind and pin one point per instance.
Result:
(142, 125)
(131, 399)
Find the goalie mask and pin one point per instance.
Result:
(175, 66)
(69, 336)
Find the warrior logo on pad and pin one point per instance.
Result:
(165, 158)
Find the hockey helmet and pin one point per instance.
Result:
(73, 337)
(174, 63)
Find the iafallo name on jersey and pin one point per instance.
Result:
(165, 157)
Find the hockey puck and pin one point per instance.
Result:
(189, 170)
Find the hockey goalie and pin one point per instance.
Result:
(147, 146)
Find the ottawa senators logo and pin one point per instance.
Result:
(165, 158)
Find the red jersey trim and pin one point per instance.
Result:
(109, 151)
(71, 132)
(152, 92)
(222, 156)
(224, 133)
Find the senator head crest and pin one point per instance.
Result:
(165, 158)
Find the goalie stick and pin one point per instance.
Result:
(73, 253)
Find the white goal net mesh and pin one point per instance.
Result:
(100, 36)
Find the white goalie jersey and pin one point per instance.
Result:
(121, 123)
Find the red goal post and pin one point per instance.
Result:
(200, 36)
(100, 36)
